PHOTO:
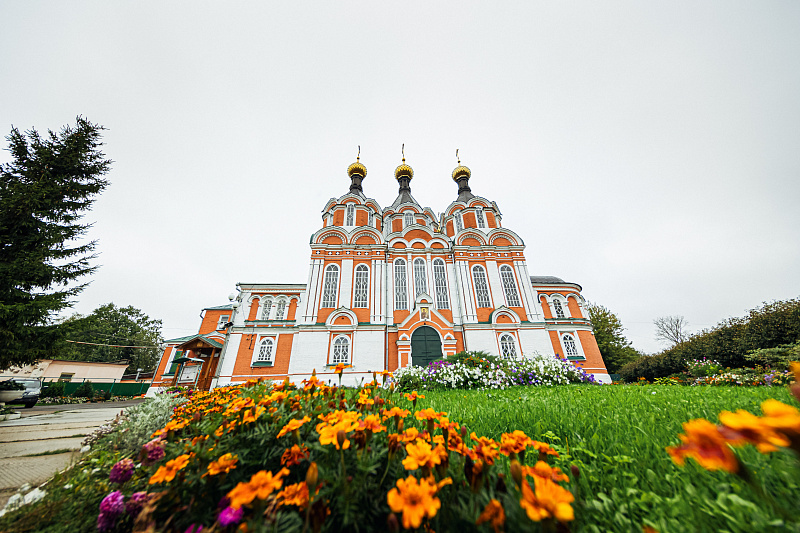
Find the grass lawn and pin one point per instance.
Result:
(617, 435)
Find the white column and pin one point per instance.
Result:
(310, 304)
(377, 291)
(495, 285)
(529, 300)
(465, 291)
(346, 283)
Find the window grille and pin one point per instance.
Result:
(265, 309)
(508, 348)
(265, 351)
(400, 294)
(440, 282)
(481, 288)
(280, 310)
(479, 218)
(361, 286)
(420, 278)
(351, 212)
(341, 351)
(570, 349)
(459, 226)
(558, 308)
(409, 219)
(509, 286)
(330, 287)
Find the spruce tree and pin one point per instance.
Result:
(45, 190)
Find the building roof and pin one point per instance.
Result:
(552, 280)
(218, 307)
(179, 340)
(211, 342)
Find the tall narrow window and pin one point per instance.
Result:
(330, 287)
(440, 282)
(479, 217)
(265, 351)
(481, 288)
(341, 351)
(280, 310)
(409, 219)
(508, 348)
(558, 308)
(400, 292)
(371, 222)
(509, 286)
(420, 278)
(351, 214)
(361, 288)
(569, 345)
(266, 308)
(459, 226)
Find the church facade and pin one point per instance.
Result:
(386, 288)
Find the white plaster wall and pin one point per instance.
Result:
(368, 350)
(228, 360)
(482, 339)
(309, 351)
(535, 341)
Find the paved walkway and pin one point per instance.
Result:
(44, 430)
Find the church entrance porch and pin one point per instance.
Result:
(426, 346)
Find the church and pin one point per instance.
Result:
(386, 288)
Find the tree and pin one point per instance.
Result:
(608, 332)
(112, 333)
(45, 190)
(671, 329)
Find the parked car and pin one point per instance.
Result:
(33, 388)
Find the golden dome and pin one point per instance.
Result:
(357, 168)
(404, 171)
(461, 172)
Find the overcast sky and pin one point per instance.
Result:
(649, 151)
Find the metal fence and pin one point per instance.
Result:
(116, 387)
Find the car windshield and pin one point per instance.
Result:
(30, 383)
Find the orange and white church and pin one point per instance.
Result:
(386, 288)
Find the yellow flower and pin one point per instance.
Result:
(223, 465)
(705, 444)
(168, 471)
(292, 425)
(747, 427)
(261, 485)
(395, 411)
(328, 434)
(493, 512)
(416, 500)
(420, 454)
(372, 423)
(428, 414)
(548, 501)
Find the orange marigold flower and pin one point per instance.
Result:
(168, 471)
(544, 470)
(705, 444)
(172, 425)
(292, 456)
(372, 423)
(420, 454)
(781, 417)
(486, 449)
(543, 448)
(395, 411)
(251, 415)
(548, 500)
(261, 485)
(292, 425)
(428, 414)
(296, 494)
(515, 442)
(494, 514)
(413, 396)
(416, 500)
(747, 427)
(328, 434)
(223, 465)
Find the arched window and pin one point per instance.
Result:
(280, 310)
(265, 351)
(330, 287)
(265, 308)
(440, 282)
(371, 222)
(481, 288)
(559, 310)
(341, 351)
(400, 292)
(459, 225)
(351, 214)
(509, 286)
(361, 288)
(508, 348)
(409, 219)
(479, 217)
(420, 278)
(570, 349)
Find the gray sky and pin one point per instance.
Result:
(649, 151)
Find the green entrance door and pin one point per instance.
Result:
(426, 346)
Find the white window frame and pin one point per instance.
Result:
(482, 294)
(350, 215)
(408, 219)
(223, 319)
(440, 284)
(459, 222)
(336, 352)
(558, 308)
(508, 346)
(480, 218)
(361, 286)
(330, 286)
(420, 277)
(265, 343)
(280, 309)
(371, 220)
(400, 285)
(566, 342)
(510, 286)
(266, 308)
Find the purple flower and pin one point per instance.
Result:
(113, 504)
(135, 503)
(105, 521)
(122, 471)
(229, 516)
(152, 451)
(194, 528)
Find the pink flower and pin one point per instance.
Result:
(135, 503)
(229, 516)
(194, 528)
(113, 504)
(122, 471)
(152, 451)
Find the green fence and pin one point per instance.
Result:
(117, 389)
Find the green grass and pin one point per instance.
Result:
(616, 435)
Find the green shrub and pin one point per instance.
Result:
(84, 390)
(778, 357)
(53, 389)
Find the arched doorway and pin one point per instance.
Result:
(426, 346)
